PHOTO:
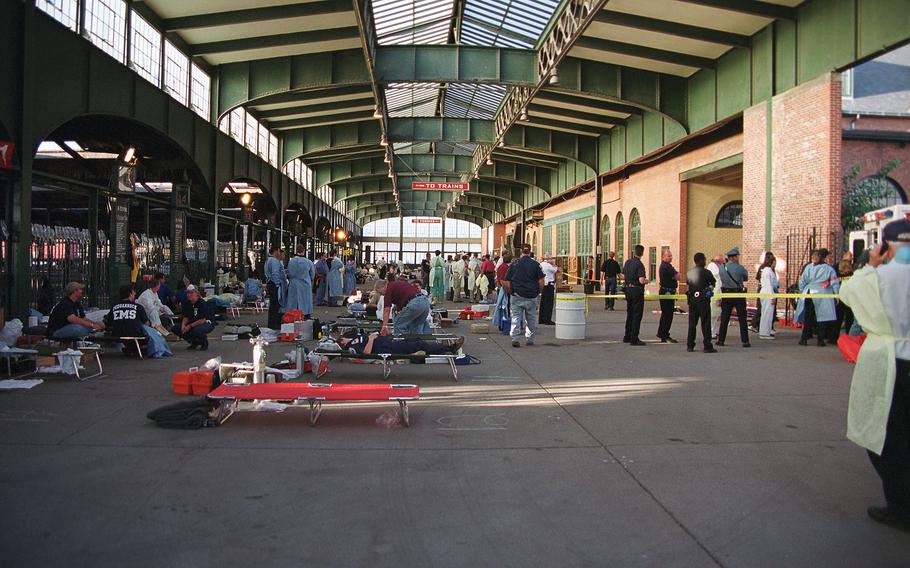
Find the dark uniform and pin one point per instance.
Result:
(196, 336)
(732, 279)
(699, 287)
(635, 299)
(668, 285)
(610, 269)
(126, 318)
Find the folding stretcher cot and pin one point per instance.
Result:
(386, 359)
(313, 395)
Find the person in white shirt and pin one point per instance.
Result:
(550, 270)
(473, 264)
(153, 307)
(458, 268)
(714, 268)
(769, 284)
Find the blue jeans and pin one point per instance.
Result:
(609, 288)
(524, 314)
(195, 335)
(73, 331)
(412, 319)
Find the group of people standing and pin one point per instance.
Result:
(305, 283)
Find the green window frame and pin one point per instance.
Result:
(652, 262)
(584, 245)
(547, 242)
(605, 236)
(620, 239)
(562, 239)
(634, 230)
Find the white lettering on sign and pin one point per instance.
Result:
(426, 220)
(440, 186)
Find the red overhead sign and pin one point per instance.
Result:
(440, 185)
(6, 154)
(430, 220)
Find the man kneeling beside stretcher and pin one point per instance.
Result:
(373, 343)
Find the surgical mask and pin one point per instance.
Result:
(902, 255)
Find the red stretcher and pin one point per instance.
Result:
(313, 395)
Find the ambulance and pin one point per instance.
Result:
(873, 224)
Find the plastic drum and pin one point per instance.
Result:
(570, 316)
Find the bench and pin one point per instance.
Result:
(17, 354)
(385, 359)
(313, 395)
(78, 358)
(137, 342)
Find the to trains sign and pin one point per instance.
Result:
(440, 186)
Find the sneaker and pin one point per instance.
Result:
(710, 350)
(886, 517)
(638, 343)
(766, 337)
(529, 343)
(668, 340)
(516, 344)
(747, 345)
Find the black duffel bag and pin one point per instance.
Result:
(185, 415)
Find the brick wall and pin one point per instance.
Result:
(871, 155)
(805, 162)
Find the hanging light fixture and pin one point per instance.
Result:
(554, 77)
(524, 115)
(246, 199)
(489, 161)
(377, 112)
(383, 142)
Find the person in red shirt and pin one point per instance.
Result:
(489, 270)
(503, 268)
(412, 305)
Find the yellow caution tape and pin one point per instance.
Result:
(720, 296)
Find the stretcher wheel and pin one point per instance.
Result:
(405, 417)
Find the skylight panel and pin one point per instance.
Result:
(412, 21)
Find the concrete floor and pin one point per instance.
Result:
(561, 454)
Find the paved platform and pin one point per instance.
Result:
(561, 454)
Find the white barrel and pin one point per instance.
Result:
(570, 316)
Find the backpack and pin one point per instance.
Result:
(185, 415)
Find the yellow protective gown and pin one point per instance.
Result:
(876, 366)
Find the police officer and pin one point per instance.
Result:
(668, 278)
(732, 279)
(634, 276)
(879, 415)
(699, 288)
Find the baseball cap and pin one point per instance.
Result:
(73, 286)
(897, 231)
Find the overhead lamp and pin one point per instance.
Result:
(128, 157)
(383, 142)
(340, 235)
(489, 161)
(524, 115)
(246, 199)
(554, 78)
(377, 112)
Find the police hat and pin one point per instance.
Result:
(897, 231)
(733, 252)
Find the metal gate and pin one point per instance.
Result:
(800, 244)
(62, 255)
(153, 254)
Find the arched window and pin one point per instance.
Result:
(634, 230)
(730, 216)
(605, 236)
(534, 245)
(880, 192)
(620, 238)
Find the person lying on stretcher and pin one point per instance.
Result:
(367, 344)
